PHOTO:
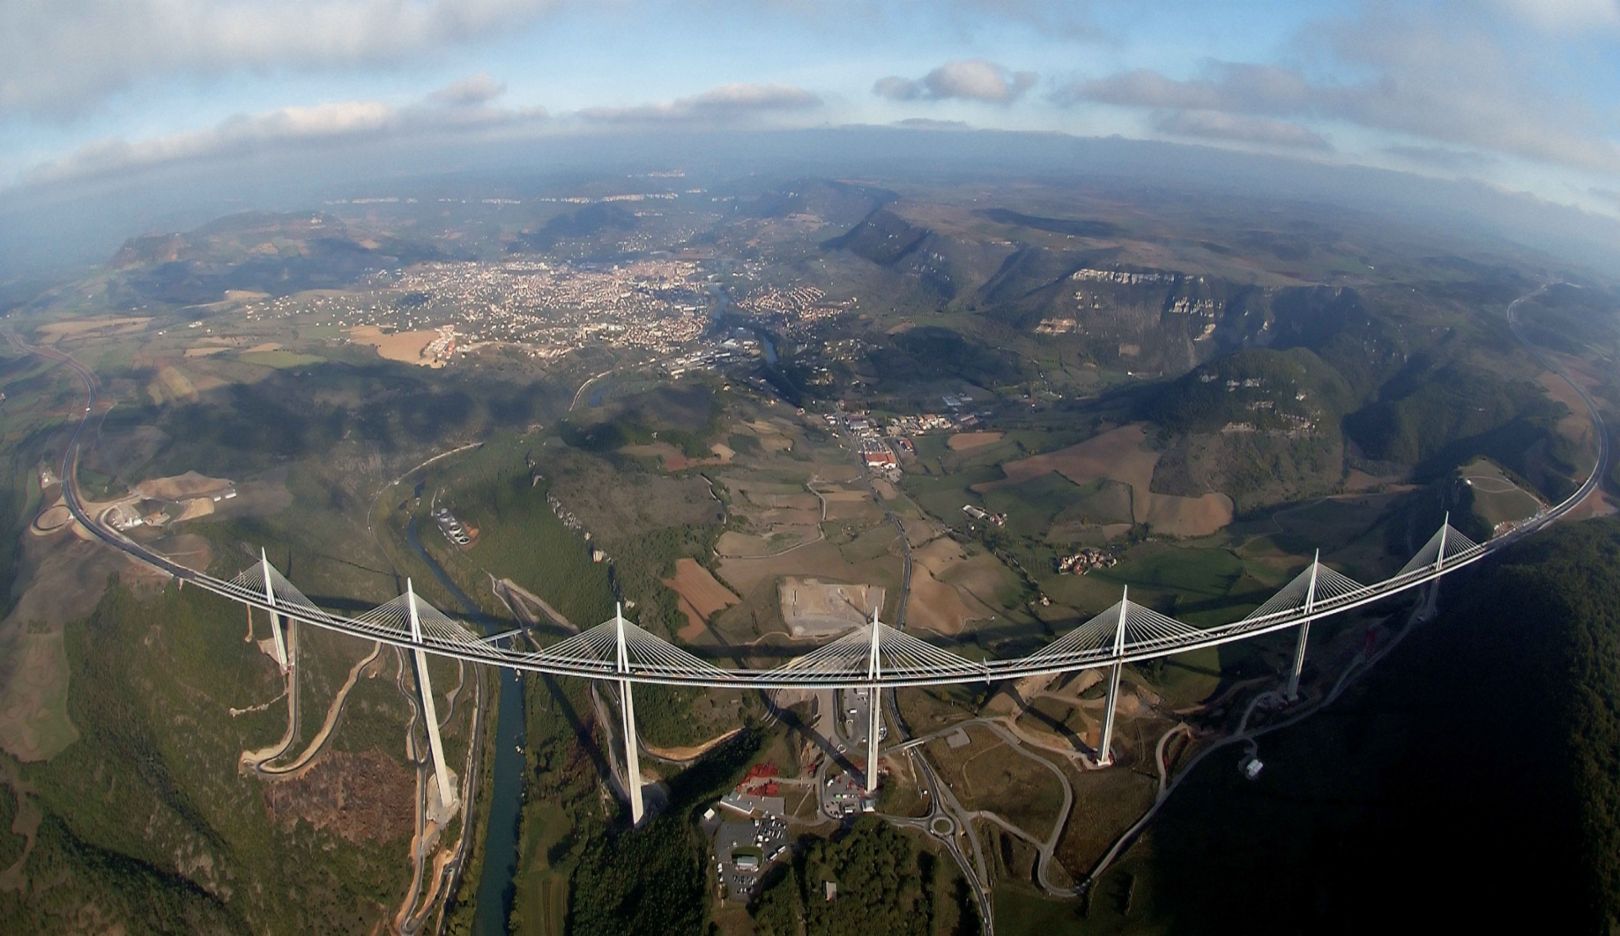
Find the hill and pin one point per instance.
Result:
(827, 201)
(581, 224)
(257, 251)
(1261, 425)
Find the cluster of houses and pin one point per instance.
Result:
(1085, 560)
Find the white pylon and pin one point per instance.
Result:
(1105, 752)
(275, 619)
(430, 712)
(1440, 554)
(1304, 632)
(874, 715)
(627, 706)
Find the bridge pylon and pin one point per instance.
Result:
(1292, 692)
(1105, 752)
(627, 707)
(430, 712)
(275, 619)
(874, 711)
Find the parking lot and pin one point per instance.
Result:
(843, 795)
(743, 849)
(453, 530)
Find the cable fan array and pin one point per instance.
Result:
(874, 652)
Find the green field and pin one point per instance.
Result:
(280, 359)
(1036, 506)
(1495, 498)
(1023, 911)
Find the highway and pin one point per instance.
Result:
(906, 663)
(657, 662)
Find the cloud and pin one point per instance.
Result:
(463, 106)
(966, 79)
(1426, 81)
(1564, 16)
(1610, 196)
(468, 92)
(1239, 128)
(1442, 157)
(718, 105)
(60, 58)
(1226, 86)
(928, 123)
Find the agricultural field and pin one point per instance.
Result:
(1495, 498)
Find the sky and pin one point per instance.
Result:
(1522, 95)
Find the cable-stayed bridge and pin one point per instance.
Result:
(874, 656)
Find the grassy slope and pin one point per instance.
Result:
(148, 823)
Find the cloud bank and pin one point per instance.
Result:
(966, 79)
(724, 104)
(464, 106)
(60, 58)
(1217, 125)
(1427, 78)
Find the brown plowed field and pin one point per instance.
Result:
(702, 596)
(963, 441)
(406, 347)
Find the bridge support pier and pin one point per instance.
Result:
(874, 714)
(275, 619)
(1105, 746)
(1292, 692)
(874, 728)
(627, 708)
(430, 712)
(1105, 752)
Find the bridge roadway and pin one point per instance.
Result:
(658, 662)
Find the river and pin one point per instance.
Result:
(495, 884)
(724, 308)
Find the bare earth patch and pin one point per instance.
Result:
(51, 519)
(935, 603)
(406, 347)
(196, 507)
(104, 324)
(180, 487)
(963, 441)
(811, 607)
